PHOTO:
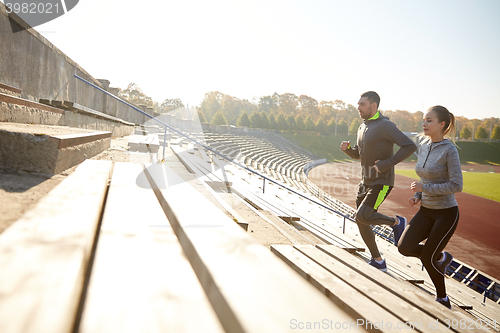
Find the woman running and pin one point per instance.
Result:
(438, 167)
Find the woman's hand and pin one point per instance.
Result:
(413, 201)
(416, 187)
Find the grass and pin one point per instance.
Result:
(485, 185)
(325, 146)
(479, 152)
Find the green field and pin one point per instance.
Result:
(327, 146)
(486, 185)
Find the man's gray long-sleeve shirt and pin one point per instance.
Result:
(376, 139)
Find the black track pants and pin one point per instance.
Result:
(369, 199)
(437, 226)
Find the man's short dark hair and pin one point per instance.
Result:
(372, 96)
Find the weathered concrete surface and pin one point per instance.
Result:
(22, 111)
(35, 148)
(37, 67)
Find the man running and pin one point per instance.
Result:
(376, 138)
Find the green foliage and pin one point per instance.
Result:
(282, 123)
(465, 133)
(310, 126)
(320, 126)
(273, 124)
(292, 125)
(299, 123)
(268, 104)
(211, 103)
(256, 120)
(265, 120)
(243, 120)
(331, 126)
(219, 119)
(495, 135)
(201, 117)
(353, 128)
(342, 127)
(481, 133)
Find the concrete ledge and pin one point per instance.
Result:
(69, 140)
(10, 88)
(24, 102)
(82, 109)
(48, 149)
(18, 110)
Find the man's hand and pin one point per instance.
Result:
(416, 187)
(413, 201)
(345, 145)
(376, 167)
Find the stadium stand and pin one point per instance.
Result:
(162, 246)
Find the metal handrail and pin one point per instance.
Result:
(213, 151)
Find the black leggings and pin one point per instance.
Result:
(437, 226)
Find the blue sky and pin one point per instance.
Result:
(415, 54)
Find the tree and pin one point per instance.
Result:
(342, 127)
(211, 103)
(417, 121)
(282, 123)
(273, 124)
(496, 133)
(354, 126)
(219, 119)
(136, 96)
(243, 120)
(300, 125)
(292, 126)
(320, 126)
(268, 104)
(310, 126)
(256, 120)
(265, 120)
(170, 105)
(465, 133)
(481, 133)
(288, 103)
(308, 106)
(201, 117)
(330, 126)
(326, 110)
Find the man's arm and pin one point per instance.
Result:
(407, 147)
(352, 152)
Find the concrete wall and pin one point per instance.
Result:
(30, 62)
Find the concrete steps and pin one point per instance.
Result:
(15, 109)
(48, 149)
(144, 143)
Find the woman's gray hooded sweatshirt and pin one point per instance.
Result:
(440, 173)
